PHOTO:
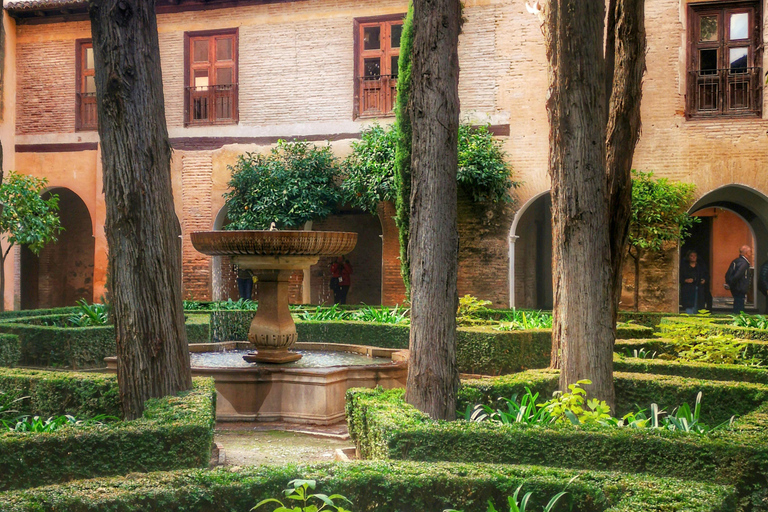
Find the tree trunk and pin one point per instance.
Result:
(623, 129)
(433, 377)
(141, 226)
(582, 332)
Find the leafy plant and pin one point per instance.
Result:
(368, 172)
(695, 341)
(526, 411)
(325, 314)
(383, 315)
(7, 402)
(483, 171)
(574, 407)
(89, 315)
(753, 321)
(659, 216)
(53, 423)
(521, 505)
(518, 320)
(469, 307)
(290, 186)
(307, 502)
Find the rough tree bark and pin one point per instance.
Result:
(141, 226)
(595, 85)
(433, 377)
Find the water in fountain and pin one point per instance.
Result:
(310, 359)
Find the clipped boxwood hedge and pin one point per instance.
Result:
(733, 372)
(384, 427)
(70, 347)
(174, 432)
(377, 486)
(719, 326)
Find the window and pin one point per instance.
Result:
(377, 50)
(85, 101)
(724, 56)
(211, 77)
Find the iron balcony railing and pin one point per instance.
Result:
(377, 94)
(735, 91)
(212, 104)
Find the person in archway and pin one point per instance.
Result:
(245, 283)
(737, 278)
(345, 281)
(762, 284)
(694, 281)
(336, 267)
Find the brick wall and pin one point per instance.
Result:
(196, 216)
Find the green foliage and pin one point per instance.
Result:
(383, 486)
(403, 149)
(300, 492)
(468, 310)
(53, 423)
(483, 171)
(752, 321)
(25, 217)
(696, 341)
(516, 320)
(175, 431)
(291, 186)
(659, 212)
(325, 314)
(88, 316)
(369, 171)
(382, 315)
(517, 505)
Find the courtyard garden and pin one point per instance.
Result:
(688, 432)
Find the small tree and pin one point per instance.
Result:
(659, 216)
(290, 186)
(25, 218)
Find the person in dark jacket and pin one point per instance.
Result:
(762, 283)
(737, 278)
(694, 280)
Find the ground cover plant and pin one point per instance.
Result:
(753, 321)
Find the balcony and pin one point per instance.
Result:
(214, 104)
(377, 95)
(725, 92)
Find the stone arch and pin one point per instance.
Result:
(530, 254)
(366, 258)
(732, 215)
(63, 271)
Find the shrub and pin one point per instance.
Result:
(291, 186)
(375, 486)
(174, 432)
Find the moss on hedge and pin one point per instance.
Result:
(377, 486)
(384, 427)
(174, 432)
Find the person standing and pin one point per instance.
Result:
(694, 280)
(737, 278)
(244, 283)
(345, 282)
(762, 283)
(336, 268)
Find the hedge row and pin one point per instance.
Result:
(753, 348)
(174, 432)
(738, 373)
(385, 427)
(11, 315)
(72, 347)
(719, 326)
(380, 487)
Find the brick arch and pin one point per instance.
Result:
(530, 254)
(63, 271)
(732, 215)
(366, 258)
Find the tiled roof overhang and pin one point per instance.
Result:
(55, 11)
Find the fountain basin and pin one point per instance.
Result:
(294, 394)
(272, 256)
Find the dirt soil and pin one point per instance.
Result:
(245, 447)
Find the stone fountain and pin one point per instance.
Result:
(273, 256)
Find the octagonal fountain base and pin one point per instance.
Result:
(294, 394)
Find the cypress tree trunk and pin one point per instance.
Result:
(594, 113)
(433, 377)
(582, 331)
(141, 226)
